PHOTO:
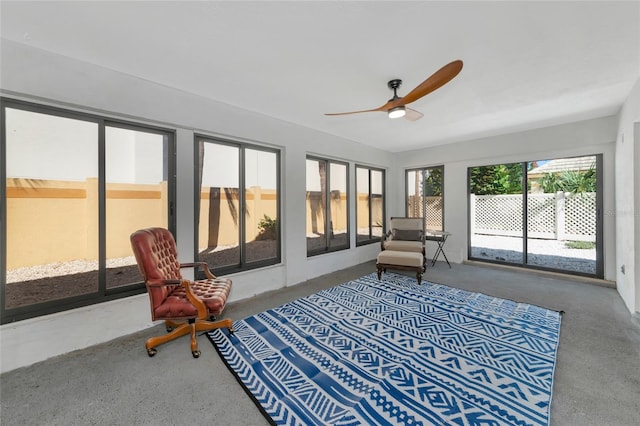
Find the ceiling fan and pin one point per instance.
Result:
(396, 107)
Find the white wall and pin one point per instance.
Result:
(595, 136)
(627, 206)
(636, 279)
(42, 77)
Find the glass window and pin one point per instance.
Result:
(238, 219)
(496, 203)
(261, 190)
(52, 207)
(137, 180)
(69, 214)
(327, 206)
(370, 213)
(425, 196)
(219, 203)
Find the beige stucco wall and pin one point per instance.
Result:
(56, 221)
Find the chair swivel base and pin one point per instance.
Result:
(182, 329)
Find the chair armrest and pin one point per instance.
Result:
(195, 300)
(203, 265)
(386, 236)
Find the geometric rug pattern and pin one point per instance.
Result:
(392, 352)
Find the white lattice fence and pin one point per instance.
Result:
(433, 216)
(414, 206)
(433, 219)
(497, 214)
(561, 216)
(541, 210)
(580, 218)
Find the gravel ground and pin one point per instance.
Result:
(545, 253)
(26, 286)
(63, 268)
(43, 283)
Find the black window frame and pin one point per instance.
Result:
(242, 265)
(328, 248)
(372, 239)
(103, 294)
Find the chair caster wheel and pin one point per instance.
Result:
(151, 352)
(169, 329)
(196, 354)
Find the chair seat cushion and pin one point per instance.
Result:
(400, 258)
(213, 292)
(400, 245)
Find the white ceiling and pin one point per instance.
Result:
(526, 64)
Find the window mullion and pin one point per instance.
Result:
(525, 214)
(327, 205)
(102, 209)
(423, 172)
(242, 207)
(370, 204)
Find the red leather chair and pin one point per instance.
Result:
(186, 306)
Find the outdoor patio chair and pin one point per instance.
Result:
(186, 306)
(405, 234)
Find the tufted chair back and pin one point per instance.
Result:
(157, 256)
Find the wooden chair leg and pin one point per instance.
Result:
(194, 342)
(201, 325)
(212, 325)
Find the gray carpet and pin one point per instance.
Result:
(597, 380)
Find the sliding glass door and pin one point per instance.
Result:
(562, 211)
(543, 214)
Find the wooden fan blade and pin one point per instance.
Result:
(412, 114)
(435, 81)
(356, 112)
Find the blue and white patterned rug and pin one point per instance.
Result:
(372, 352)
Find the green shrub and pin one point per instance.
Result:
(268, 228)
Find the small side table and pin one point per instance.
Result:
(440, 237)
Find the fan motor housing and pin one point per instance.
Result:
(394, 84)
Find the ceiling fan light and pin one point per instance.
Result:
(397, 112)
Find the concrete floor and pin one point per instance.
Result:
(597, 380)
